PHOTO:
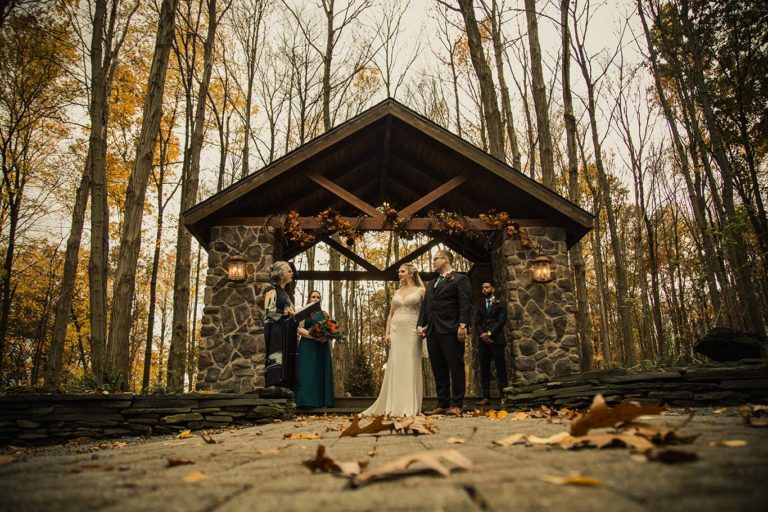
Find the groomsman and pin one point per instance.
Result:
(491, 316)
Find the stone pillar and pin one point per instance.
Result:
(232, 335)
(541, 320)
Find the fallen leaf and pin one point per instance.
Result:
(402, 466)
(520, 415)
(721, 410)
(586, 481)
(208, 437)
(327, 463)
(497, 415)
(599, 441)
(600, 415)
(658, 434)
(510, 440)
(178, 462)
(272, 451)
(91, 468)
(455, 440)
(186, 434)
(376, 425)
(411, 425)
(373, 453)
(671, 456)
(558, 438)
(6, 459)
(755, 415)
(195, 476)
(296, 435)
(730, 443)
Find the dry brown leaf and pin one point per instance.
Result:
(195, 476)
(755, 415)
(557, 439)
(178, 462)
(600, 415)
(671, 456)
(411, 425)
(90, 468)
(585, 481)
(520, 415)
(721, 410)
(296, 435)
(599, 441)
(6, 459)
(402, 466)
(658, 434)
(272, 451)
(327, 463)
(377, 425)
(455, 440)
(729, 443)
(186, 434)
(208, 437)
(510, 440)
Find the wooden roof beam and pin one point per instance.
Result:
(381, 224)
(416, 253)
(433, 196)
(340, 248)
(344, 194)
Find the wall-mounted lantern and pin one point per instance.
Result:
(542, 272)
(236, 268)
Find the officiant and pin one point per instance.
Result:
(280, 329)
(315, 365)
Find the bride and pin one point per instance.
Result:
(401, 389)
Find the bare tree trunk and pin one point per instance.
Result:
(177, 352)
(490, 110)
(540, 98)
(130, 241)
(577, 257)
(67, 288)
(498, 52)
(97, 154)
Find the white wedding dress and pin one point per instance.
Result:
(402, 388)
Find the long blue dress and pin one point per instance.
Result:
(315, 370)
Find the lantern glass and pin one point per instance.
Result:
(541, 270)
(236, 268)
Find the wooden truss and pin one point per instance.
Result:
(372, 219)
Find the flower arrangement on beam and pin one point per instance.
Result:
(294, 232)
(511, 228)
(393, 220)
(332, 222)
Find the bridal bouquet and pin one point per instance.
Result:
(328, 329)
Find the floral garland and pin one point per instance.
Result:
(293, 230)
(331, 222)
(393, 220)
(511, 228)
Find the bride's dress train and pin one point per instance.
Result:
(402, 387)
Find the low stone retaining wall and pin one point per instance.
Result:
(721, 384)
(51, 418)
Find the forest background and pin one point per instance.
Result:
(115, 116)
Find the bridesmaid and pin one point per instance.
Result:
(315, 367)
(280, 330)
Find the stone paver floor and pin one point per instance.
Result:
(137, 476)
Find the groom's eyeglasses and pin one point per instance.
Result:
(438, 258)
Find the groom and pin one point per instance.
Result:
(445, 313)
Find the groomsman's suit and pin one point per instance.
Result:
(447, 303)
(491, 316)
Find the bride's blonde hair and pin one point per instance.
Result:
(414, 273)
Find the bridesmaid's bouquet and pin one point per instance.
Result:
(327, 328)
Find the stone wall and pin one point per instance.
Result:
(55, 418)
(715, 384)
(232, 335)
(541, 322)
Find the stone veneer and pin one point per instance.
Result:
(54, 418)
(541, 319)
(232, 335)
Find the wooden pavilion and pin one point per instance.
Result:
(389, 155)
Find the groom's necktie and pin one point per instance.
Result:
(440, 280)
(488, 305)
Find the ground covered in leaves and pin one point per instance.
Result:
(627, 457)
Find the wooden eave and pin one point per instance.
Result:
(388, 153)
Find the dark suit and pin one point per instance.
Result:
(447, 303)
(492, 320)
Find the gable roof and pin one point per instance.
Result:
(387, 153)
